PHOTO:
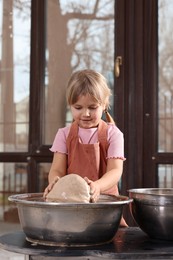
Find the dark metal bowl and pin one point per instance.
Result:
(152, 209)
(69, 224)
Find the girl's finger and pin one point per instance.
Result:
(87, 180)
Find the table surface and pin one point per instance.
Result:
(128, 243)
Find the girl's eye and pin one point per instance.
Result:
(78, 108)
(93, 107)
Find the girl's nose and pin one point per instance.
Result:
(87, 112)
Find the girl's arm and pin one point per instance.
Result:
(112, 176)
(108, 180)
(58, 169)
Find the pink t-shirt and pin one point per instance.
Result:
(90, 136)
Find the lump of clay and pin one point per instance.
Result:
(70, 188)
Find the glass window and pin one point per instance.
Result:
(165, 176)
(165, 90)
(80, 35)
(14, 74)
(44, 169)
(165, 98)
(13, 180)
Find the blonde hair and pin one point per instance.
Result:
(90, 82)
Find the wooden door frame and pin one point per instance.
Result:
(129, 88)
(37, 151)
(136, 90)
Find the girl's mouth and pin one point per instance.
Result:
(86, 120)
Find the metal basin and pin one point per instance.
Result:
(69, 224)
(152, 209)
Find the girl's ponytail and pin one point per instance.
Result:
(109, 118)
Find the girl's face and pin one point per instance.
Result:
(87, 112)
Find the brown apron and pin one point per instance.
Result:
(88, 160)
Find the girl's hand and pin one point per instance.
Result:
(50, 186)
(94, 189)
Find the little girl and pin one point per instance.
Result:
(90, 147)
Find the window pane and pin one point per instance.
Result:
(165, 176)
(165, 120)
(80, 35)
(13, 179)
(43, 176)
(14, 71)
